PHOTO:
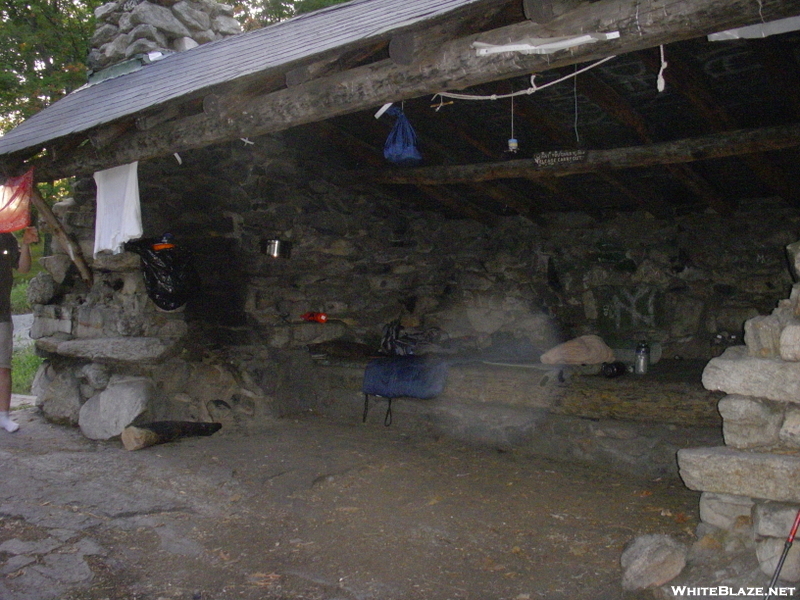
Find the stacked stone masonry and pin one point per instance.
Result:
(505, 293)
(749, 486)
(129, 28)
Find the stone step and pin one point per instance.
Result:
(736, 372)
(725, 470)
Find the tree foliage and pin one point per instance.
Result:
(44, 45)
(43, 50)
(255, 14)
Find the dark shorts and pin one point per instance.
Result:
(6, 344)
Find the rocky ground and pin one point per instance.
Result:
(313, 510)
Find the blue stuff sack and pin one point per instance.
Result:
(422, 377)
(401, 145)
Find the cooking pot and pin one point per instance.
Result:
(276, 248)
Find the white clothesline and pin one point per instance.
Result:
(534, 88)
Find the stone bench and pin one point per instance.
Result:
(124, 350)
(633, 423)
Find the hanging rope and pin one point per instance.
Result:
(513, 144)
(575, 95)
(661, 83)
(526, 92)
(512, 117)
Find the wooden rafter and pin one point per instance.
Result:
(496, 191)
(615, 104)
(544, 122)
(641, 24)
(372, 156)
(691, 83)
(552, 164)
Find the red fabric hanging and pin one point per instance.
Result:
(15, 197)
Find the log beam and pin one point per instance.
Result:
(690, 82)
(72, 247)
(561, 164)
(614, 104)
(642, 24)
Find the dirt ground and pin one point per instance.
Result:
(309, 509)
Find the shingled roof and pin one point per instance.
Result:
(726, 124)
(185, 73)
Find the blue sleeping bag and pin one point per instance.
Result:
(403, 376)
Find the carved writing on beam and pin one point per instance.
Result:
(558, 157)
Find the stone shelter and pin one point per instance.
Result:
(620, 169)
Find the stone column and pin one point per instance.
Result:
(752, 484)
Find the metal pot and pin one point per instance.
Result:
(276, 248)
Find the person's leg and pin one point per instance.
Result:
(5, 401)
(6, 347)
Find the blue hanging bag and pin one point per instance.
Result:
(401, 145)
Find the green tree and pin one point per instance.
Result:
(255, 14)
(44, 45)
(43, 50)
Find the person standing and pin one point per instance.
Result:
(12, 256)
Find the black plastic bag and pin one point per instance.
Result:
(169, 273)
(401, 145)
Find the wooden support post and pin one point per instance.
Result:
(72, 248)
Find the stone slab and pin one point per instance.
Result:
(769, 551)
(725, 511)
(110, 350)
(749, 422)
(735, 372)
(623, 424)
(741, 473)
(22, 401)
(789, 432)
(762, 335)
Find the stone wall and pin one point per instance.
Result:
(366, 259)
(130, 28)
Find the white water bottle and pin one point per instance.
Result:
(642, 361)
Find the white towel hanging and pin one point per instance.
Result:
(119, 216)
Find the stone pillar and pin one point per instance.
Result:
(751, 484)
(130, 28)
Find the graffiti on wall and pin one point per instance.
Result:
(624, 308)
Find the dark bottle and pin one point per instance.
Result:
(614, 369)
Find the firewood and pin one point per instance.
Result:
(160, 432)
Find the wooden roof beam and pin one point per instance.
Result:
(497, 191)
(641, 23)
(613, 103)
(552, 164)
(691, 83)
(414, 46)
(332, 64)
(544, 122)
(370, 155)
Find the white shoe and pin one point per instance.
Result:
(9, 425)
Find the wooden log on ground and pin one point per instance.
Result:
(160, 432)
